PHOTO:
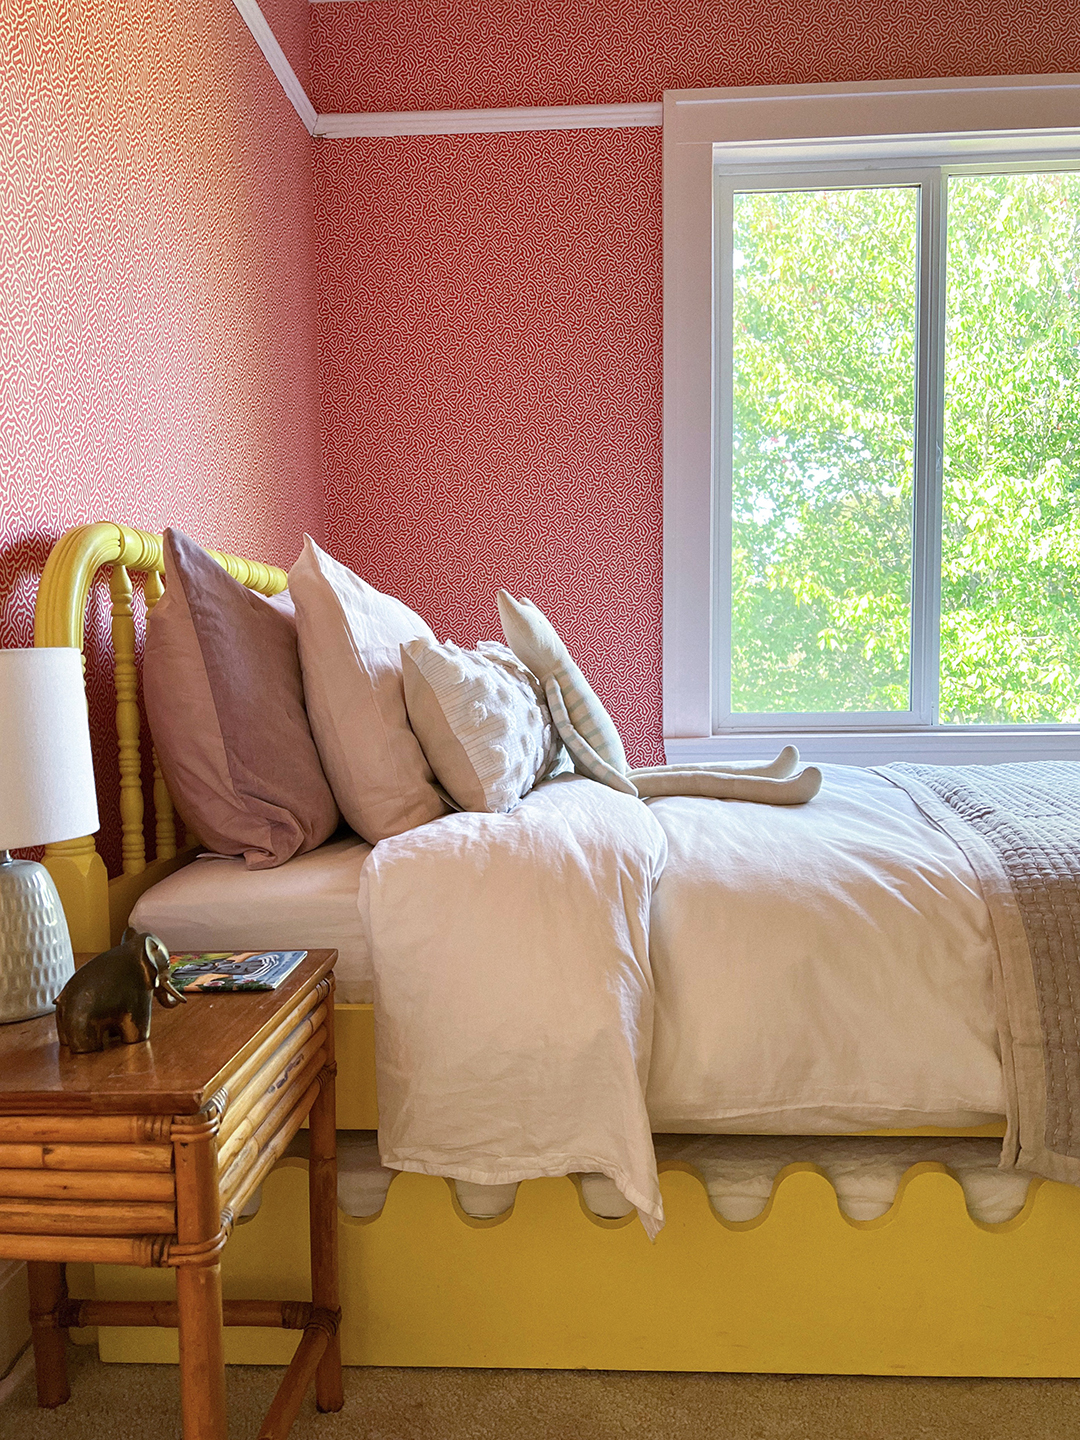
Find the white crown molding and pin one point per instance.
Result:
(487, 122)
(275, 57)
(514, 119)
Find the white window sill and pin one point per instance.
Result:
(946, 745)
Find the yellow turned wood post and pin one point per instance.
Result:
(128, 723)
(59, 620)
(164, 814)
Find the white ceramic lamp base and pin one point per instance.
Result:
(35, 949)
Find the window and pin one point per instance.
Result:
(872, 421)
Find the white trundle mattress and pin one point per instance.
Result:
(739, 1173)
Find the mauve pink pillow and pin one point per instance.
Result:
(225, 700)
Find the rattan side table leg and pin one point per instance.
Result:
(47, 1283)
(202, 1352)
(198, 1276)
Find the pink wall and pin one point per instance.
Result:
(158, 356)
(490, 305)
(490, 310)
(445, 54)
(290, 23)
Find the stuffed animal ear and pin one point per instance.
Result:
(586, 761)
(532, 638)
(715, 785)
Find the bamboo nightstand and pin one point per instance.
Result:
(144, 1155)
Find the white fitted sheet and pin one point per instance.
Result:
(308, 903)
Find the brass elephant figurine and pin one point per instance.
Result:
(108, 1000)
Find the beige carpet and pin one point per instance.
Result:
(141, 1402)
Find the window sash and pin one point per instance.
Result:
(928, 429)
(928, 381)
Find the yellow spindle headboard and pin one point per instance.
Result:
(96, 907)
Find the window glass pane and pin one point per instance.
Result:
(1010, 601)
(824, 326)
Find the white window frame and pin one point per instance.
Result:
(937, 127)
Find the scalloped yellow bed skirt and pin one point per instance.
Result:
(925, 1290)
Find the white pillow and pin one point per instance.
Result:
(481, 720)
(349, 636)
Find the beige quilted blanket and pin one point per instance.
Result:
(1019, 826)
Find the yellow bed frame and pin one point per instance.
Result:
(925, 1290)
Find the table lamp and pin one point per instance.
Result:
(46, 794)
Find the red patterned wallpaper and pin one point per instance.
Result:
(448, 54)
(490, 305)
(491, 326)
(158, 351)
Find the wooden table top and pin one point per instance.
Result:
(173, 1073)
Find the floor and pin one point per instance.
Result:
(133, 1402)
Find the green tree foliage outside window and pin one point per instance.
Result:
(824, 323)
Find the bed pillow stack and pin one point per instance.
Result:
(225, 702)
(257, 704)
(270, 715)
(481, 720)
(350, 637)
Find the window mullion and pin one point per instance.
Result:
(929, 412)
(722, 439)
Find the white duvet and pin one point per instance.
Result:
(820, 968)
(813, 969)
(555, 984)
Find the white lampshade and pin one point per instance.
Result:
(46, 770)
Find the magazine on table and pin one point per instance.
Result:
(194, 972)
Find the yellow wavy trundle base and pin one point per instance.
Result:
(925, 1290)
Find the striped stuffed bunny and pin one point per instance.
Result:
(597, 751)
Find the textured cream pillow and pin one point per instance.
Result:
(481, 720)
(349, 636)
